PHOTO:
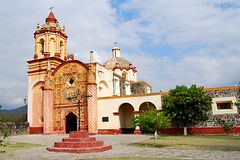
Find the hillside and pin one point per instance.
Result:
(16, 115)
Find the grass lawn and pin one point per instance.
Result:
(132, 158)
(11, 147)
(194, 142)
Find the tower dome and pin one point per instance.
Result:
(118, 62)
(51, 24)
(50, 39)
(51, 18)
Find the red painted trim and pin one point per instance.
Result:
(116, 49)
(35, 130)
(137, 132)
(35, 56)
(136, 112)
(116, 113)
(49, 31)
(109, 131)
(127, 69)
(39, 70)
(210, 130)
(45, 59)
(46, 54)
(57, 55)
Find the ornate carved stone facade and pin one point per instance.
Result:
(59, 85)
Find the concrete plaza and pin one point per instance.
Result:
(120, 149)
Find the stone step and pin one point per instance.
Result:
(78, 144)
(90, 139)
(80, 150)
(76, 134)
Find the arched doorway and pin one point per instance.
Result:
(125, 117)
(71, 122)
(146, 106)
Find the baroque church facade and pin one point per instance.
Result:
(65, 94)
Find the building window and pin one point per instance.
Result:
(105, 119)
(42, 46)
(224, 105)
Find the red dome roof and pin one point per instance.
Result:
(51, 18)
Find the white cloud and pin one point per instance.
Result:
(204, 38)
(203, 35)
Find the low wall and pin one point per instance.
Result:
(35, 130)
(109, 131)
(212, 130)
(17, 128)
(179, 131)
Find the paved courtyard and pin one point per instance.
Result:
(120, 149)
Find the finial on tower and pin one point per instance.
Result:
(115, 44)
(116, 50)
(51, 8)
(51, 18)
(91, 57)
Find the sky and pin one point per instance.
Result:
(170, 42)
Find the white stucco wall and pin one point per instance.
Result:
(116, 85)
(104, 75)
(128, 88)
(110, 105)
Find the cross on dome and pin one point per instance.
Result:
(51, 8)
(115, 44)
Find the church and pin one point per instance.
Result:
(66, 95)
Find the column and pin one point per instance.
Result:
(92, 108)
(48, 112)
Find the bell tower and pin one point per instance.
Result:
(50, 39)
(50, 51)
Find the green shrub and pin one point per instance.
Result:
(227, 127)
(5, 131)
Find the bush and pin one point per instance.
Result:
(152, 120)
(5, 132)
(227, 127)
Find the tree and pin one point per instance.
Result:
(152, 121)
(4, 130)
(188, 105)
(237, 104)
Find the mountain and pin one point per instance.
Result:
(19, 110)
(17, 115)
